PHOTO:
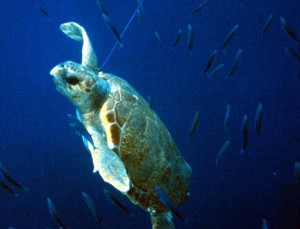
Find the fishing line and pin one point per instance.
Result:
(123, 32)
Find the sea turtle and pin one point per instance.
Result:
(131, 148)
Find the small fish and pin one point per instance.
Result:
(226, 117)
(122, 34)
(140, 16)
(292, 52)
(258, 119)
(54, 214)
(215, 70)
(230, 35)
(177, 39)
(267, 24)
(264, 224)
(194, 123)
(235, 62)
(104, 11)
(43, 11)
(222, 151)
(244, 133)
(112, 27)
(157, 36)
(80, 129)
(297, 172)
(91, 205)
(288, 29)
(150, 101)
(200, 7)
(11, 180)
(5, 191)
(190, 37)
(140, 5)
(116, 201)
(140, 11)
(164, 198)
(210, 60)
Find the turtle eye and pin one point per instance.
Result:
(72, 80)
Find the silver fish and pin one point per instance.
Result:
(230, 35)
(80, 128)
(164, 198)
(177, 39)
(267, 24)
(190, 37)
(286, 27)
(222, 151)
(116, 201)
(11, 180)
(104, 11)
(157, 36)
(211, 60)
(43, 11)
(235, 62)
(297, 172)
(264, 224)
(140, 11)
(244, 133)
(215, 70)
(200, 7)
(292, 52)
(91, 205)
(140, 2)
(140, 16)
(140, 5)
(5, 191)
(112, 27)
(258, 119)
(54, 214)
(150, 101)
(194, 123)
(226, 117)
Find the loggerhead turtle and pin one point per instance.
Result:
(132, 149)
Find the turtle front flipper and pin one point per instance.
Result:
(111, 168)
(78, 33)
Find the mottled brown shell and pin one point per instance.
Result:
(143, 143)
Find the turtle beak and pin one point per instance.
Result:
(57, 71)
(65, 75)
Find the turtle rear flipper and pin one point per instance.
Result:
(111, 169)
(162, 221)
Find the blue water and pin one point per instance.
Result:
(44, 154)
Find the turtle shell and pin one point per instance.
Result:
(137, 135)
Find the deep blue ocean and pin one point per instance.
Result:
(45, 155)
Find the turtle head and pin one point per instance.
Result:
(80, 85)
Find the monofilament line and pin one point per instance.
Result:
(123, 32)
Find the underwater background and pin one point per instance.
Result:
(45, 155)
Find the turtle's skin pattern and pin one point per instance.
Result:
(132, 149)
(141, 140)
